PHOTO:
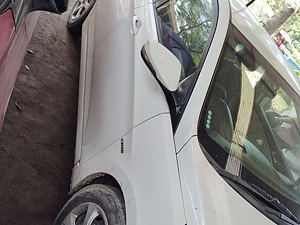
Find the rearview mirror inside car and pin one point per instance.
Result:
(162, 63)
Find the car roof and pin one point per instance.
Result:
(249, 26)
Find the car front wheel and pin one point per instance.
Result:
(78, 14)
(94, 205)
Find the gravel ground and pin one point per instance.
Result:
(37, 142)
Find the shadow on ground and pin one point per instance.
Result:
(37, 144)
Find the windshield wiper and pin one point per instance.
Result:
(275, 203)
(271, 204)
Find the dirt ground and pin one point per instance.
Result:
(37, 144)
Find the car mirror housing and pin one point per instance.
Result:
(162, 63)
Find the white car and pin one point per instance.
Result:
(188, 114)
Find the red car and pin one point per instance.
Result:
(17, 22)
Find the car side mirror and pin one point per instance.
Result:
(162, 63)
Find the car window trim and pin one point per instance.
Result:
(178, 100)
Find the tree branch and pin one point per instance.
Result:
(189, 28)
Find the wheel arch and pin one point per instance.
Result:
(109, 179)
(96, 178)
(98, 171)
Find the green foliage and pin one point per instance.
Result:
(262, 22)
(292, 28)
(194, 20)
(276, 5)
(298, 73)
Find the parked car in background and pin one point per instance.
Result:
(188, 114)
(17, 22)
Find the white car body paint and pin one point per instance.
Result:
(124, 123)
(113, 71)
(213, 202)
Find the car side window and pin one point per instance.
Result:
(184, 27)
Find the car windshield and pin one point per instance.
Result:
(249, 125)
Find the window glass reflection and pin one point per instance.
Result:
(184, 28)
(250, 122)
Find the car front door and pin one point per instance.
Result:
(115, 81)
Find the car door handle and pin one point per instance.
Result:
(136, 24)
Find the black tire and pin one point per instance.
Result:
(78, 14)
(99, 203)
